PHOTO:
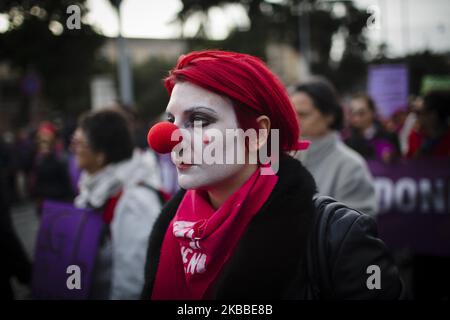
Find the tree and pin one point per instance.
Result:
(151, 95)
(280, 22)
(38, 40)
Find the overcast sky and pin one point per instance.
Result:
(406, 25)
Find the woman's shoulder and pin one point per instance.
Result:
(349, 157)
(353, 249)
(140, 199)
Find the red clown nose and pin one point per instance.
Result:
(159, 137)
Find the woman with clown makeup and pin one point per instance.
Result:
(242, 229)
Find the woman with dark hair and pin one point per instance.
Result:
(118, 183)
(432, 137)
(338, 170)
(240, 230)
(367, 135)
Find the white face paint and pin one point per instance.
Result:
(189, 103)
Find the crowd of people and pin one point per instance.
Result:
(345, 137)
(102, 164)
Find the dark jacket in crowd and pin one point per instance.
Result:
(51, 178)
(15, 262)
(269, 261)
(372, 148)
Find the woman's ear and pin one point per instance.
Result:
(263, 132)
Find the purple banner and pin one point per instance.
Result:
(67, 237)
(414, 200)
(387, 84)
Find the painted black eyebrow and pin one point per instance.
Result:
(199, 108)
(194, 109)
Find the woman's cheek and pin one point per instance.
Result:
(207, 174)
(204, 176)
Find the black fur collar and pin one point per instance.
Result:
(269, 257)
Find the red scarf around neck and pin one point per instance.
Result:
(200, 240)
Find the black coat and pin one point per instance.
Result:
(52, 179)
(365, 147)
(15, 261)
(269, 260)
